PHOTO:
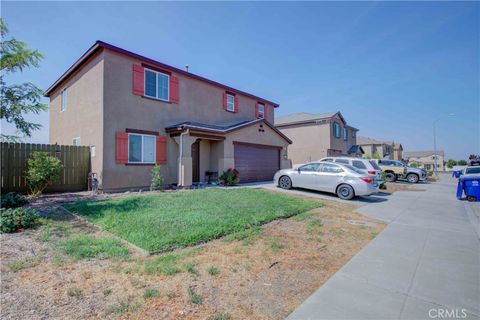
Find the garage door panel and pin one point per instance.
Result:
(256, 163)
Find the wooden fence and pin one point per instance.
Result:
(75, 161)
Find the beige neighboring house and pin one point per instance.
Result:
(135, 112)
(385, 149)
(397, 151)
(315, 136)
(426, 159)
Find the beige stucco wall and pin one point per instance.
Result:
(83, 116)
(310, 142)
(199, 102)
(313, 141)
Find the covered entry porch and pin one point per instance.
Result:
(255, 148)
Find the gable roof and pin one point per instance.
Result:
(99, 45)
(367, 141)
(421, 154)
(221, 129)
(304, 117)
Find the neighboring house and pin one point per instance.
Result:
(384, 149)
(315, 136)
(397, 151)
(426, 159)
(134, 112)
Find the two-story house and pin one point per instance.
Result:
(426, 159)
(135, 112)
(315, 136)
(382, 149)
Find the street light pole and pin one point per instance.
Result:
(435, 169)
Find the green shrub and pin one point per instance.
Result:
(430, 173)
(383, 185)
(230, 177)
(13, 200)
(157, 179)
(42, 170)
(14, 219)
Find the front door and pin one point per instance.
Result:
(196, 161)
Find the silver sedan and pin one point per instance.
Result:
(343, 180)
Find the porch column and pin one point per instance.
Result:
(185, 159)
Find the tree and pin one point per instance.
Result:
(18, 99)
(462, 162)
(451, 163)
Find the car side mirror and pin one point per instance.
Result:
(299, 170)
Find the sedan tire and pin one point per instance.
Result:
(285, 182)
(412, 178)
(345, 192)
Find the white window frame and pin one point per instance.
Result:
(141, 150)
(232, 109)
(156, 84)
(92, 151)
(345, 134)
(79, 141)
(261, 114)
(63, 99)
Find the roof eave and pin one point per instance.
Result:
(108, 46)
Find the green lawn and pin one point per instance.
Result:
(170, 220)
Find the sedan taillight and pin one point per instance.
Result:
(372, 172)
(367, 180)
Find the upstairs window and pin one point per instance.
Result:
(261, 111)
(345, 134)
(76, 141)
(141, 148)
(157, 85)
(64, 100)
(336, 130)
(353, 133)
(230, 102)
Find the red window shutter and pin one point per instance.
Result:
(121, 147)
(174, 90)
(235, 105)
(256, 110)
(225, 101)
(161, 150)
(138, 80)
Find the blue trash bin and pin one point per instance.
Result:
(457, 173)
(470, 185)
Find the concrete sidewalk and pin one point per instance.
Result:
(425, 264)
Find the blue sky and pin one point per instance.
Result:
(391, 68)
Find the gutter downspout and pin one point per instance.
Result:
(180, 171)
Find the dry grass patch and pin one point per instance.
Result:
(261, 273)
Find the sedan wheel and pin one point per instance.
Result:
(285, 182)
(345, 192)
(412, 178)
(390, 177)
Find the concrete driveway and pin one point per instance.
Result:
(424, 265)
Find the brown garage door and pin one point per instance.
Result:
(256, 162)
